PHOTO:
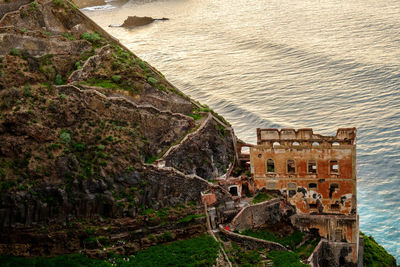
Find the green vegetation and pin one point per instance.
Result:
(151, 159)
(34, 4)
(152, 81)
(305, 250)
(375, 255)
(27, 90)
(59, 80)
(68, 36)
(78, 65)
(200, 251)
(65, 137)
(261, 197)
(221, 130)
(108, 84)
(91, 37)
(290, 240)
(196, 116)
(116, 78)
(59, 3)
(60, 261)
(243, 257)
(190, 218)
(15, 52)
(285, 259)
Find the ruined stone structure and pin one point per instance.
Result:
(317, 174)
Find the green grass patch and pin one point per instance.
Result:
(291, 240)
(59, 80)
(261, 197)
(244, 257)
(375, 255)
(196, 116)
(116, 78)
(103, 83)
(68, 36)
(285, 259)
(59, 3)
(152, 81)
(91, 37)
(199, 251)
(60, 261)
(305, 250)
(151, 159)
(190, 218)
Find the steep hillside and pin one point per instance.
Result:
(83, 124)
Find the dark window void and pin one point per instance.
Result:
(292, 193)
(291, 166)
(335, 206)
(270, 165)
(312, 166)
(234, 191)
(332, 188)
(313, 206)
(334, 166)
(312, 185)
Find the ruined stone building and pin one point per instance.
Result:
(317, 174)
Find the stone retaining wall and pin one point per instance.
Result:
(333, 254)
(269, 212)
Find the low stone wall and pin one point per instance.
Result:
(250, 242)
(6, 7)
(269, 212)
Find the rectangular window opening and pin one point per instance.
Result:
(270, 165)
(291, 166)
(312, 185)
(334, 166)
(312, 166)
(335, 207)
(313, 206)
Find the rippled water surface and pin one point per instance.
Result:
(288, 63)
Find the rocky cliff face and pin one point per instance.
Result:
(82, 120)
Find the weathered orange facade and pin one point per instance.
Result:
(317, 174)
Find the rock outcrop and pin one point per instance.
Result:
(134, 21)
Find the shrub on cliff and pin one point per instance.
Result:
(375, 255)
(285, 259)
(91, 37)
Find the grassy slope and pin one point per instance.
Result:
(199, 251)
(291, 240)
(375, 255)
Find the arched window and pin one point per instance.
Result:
(335, 144)
(312, 166)
(296, 143)
(276, 144)
(270, 165)
(291, 166)
(333, 167)
(315, 144)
